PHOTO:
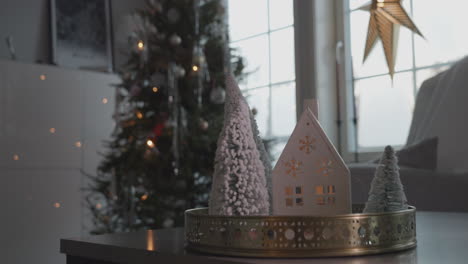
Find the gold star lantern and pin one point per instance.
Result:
(386, 16)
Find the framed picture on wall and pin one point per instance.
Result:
(81, 34)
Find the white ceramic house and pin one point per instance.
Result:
(310, 177)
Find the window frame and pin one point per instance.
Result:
(268, 134)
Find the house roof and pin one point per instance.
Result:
(308, 117)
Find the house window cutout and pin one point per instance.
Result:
(288, 190)
(289, 202)
(331, 200)
(320, 200)
(319, 190)
(331, 189)
(299, 201)
(298, 190)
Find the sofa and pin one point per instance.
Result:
(441, 111)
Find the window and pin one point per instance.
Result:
(298, 190)
(384, 108)
(299, 201)
(262, 32)
(319, 190)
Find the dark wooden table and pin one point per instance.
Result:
(442, 238)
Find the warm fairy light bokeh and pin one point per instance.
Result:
(150, 143)
(141, 45)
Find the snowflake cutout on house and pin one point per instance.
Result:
(307, 144)
(325, 167)
(293, 167)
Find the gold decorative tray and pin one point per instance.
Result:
(300, 236)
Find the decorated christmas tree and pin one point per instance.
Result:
(168, 117)
(386, 193)
(240, 179)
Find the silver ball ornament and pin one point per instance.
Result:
(199, 59)
(180, 72)
(152, 29)
(203, 124)
(175, 40)
(217, 95)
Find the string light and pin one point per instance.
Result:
(141, 45)
(78, 144)
(52, 130)
(42, 77)
(16, 157)
(150, 143)
(98, 206)
(104, 100)
(144, 197)
(155, 89)
(195, 68)
(139, 115)
(57, 205)
(150, 240)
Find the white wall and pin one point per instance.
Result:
(48, 169)
(27, 21)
